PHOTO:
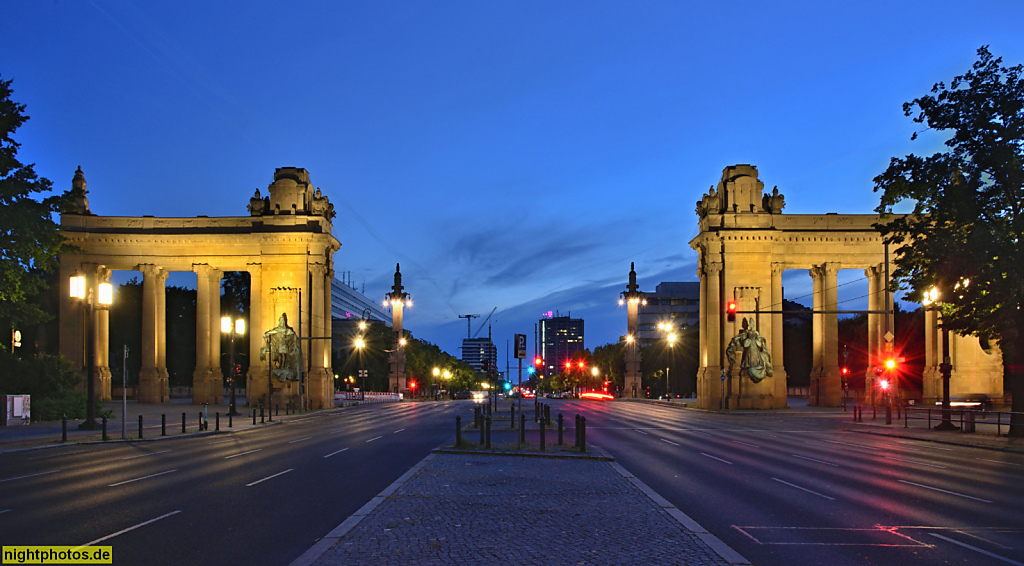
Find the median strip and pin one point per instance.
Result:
(140, 479)
(269, 477)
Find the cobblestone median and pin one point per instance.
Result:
(468, 509)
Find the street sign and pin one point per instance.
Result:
(889, 336)
(520, 346)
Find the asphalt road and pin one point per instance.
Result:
(801, 489)
(258, 497)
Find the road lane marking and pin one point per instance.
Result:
(918, 462)
(398, 431)
(57, 455)
(241, 454)
(641, 432)
(944, 491)
(142, 478)
(745, 444)
(999, 462)
(5, 511)
(144, 455)
(669, 441)
(336, 452)
(299, 440)
(804, 489)
(269, 477)
(716, 458)
(225, 441)
(375, 438)
(132, 528)
(30, 476)
(976, 549)
(818, 461)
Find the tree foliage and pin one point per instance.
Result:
(963, 236)
(29, 238)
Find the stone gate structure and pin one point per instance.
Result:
(286, 246)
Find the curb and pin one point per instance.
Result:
(550, 455)
(864, 429)
(723, 550)
(332, 538)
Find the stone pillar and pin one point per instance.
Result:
(712, 385)
(161, 336)
(256, 384)
(321, 381)
(207, 384)
(831, 385)
(817, 276)
(778, 365)
(396, 376)
(874, 324)
(633, 383)
(149, 377)
(102, 342)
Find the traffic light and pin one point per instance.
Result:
(538, 361)
(884, 385)
(845, 371)
(730, 309)
(890, 364)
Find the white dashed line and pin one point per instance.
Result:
(818, 461)
(716, 458)
(300, 440)
(269, 477)
(144, 455)
(375, 438)
(336, 452)
(978, 550)
(241, 454)
(142, 478)
(121, 532)
(669, 441)
(30, 476)
(804, 489)
(945, 491)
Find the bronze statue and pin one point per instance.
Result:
(283, 349)
(756, 360)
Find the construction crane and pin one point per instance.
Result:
(469, 318)
(484, 323)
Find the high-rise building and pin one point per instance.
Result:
(561, 337)
(477, 350)
(674, 303)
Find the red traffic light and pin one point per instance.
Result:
(730, 309)
(845, 370)
(890, 364)
(538, 362)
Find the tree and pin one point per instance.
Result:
(964, 235)
(29, 239)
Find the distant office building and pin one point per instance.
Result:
(348, 307)
(477, 350)
(674, 303)
(561, 337)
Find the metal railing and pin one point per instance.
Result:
(968, 420)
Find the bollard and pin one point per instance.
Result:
(583, 434)
(140, 426)
(547, 413)
(512, 419)
(230, 423)
(217, 426)
(542, 447)
(561, 426)
(183, 423)
(487, 444)
(576, 444)
(254, 415)
(874, 412)
(458, 431)
(888, 413)
(536, 410)
(482, 433)
(522, 427)
(261, 411)
(63, 428)
(163, 424)
(277, 409)
(855, 413)
(104, 428)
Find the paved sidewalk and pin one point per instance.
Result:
(515, 510)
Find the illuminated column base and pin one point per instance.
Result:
(207, 387)
(149, 386)
(321, 389)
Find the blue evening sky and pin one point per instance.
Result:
(516, 155)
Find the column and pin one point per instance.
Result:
(874, 319)
(204, 380)
(102, 342)
(777, 342)
(816, 336)
(321, 389)
(832, 386)
(931, 379)
(216, 368)
(712, 375)
(161, 336)
(149, 379)
(256, 384)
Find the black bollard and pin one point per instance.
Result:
(874, 412)
(487, 444)
(63, 428)
(561, 426)
(583, 434)
(855, 413)
(183, 423)
(140, 426)
(254, 415)
(512, 420)
(547, 413)
(576, 444)
(217, 426)
(104, 428)
(458, 431)
(888, 413)
(277, 409)
(163, 424)
(522, 427)
(230, 423)
(536, 409)
(542, 447)
(482, 433)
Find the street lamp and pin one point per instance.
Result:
(231, 327)
(671, 339)
(101, 299)
(931, 299)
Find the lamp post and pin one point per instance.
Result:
(671, 339)
(100, 299)
(931, 299)
(231, 327)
